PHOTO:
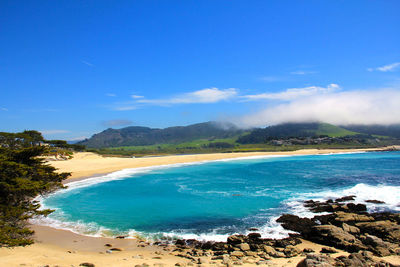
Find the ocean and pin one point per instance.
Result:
(212, 200)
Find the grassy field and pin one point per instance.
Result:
(333, 131)
(197, 148)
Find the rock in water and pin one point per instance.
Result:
(295, 223)
(346, 198)
(374, 201)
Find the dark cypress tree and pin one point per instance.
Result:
(23, 176)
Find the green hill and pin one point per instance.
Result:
(210, 135)
(333, 131)
(144, 136)
(382, 130)
(286, 130)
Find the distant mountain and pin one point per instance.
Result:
(140, 136)
(385, 130)
(286, 130)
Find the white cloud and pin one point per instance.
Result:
(293, 93)
(386, 68)
(53, 131)
(87, 63)
(341, 108)
(3, 109)
(125, 108)
(111, 95)
(137, 96)
(302, 72)
(204, 96)
(78, 138)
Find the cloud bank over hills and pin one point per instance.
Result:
(330, 104)
(340, 108)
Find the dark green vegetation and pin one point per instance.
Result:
(213, 137)
(288, 130)
(144, 136)
(23, 176)
(385, 130)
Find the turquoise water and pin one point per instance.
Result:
(215, 199)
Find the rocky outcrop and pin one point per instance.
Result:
(332, 206)
(295, 223)
(387, 230)
(363, 258)
(352, 217)
(317, 260)
(346, 226)
(335, 236)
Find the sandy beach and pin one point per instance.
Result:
(86, 164)
(63, 248)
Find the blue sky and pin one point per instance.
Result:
(74, 68)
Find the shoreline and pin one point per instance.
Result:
(53, 244)
(85, 165)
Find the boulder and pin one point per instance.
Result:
(236, 239)
(356, 207)
(362, 258)
(218, 246)
(207, 245)
(352, 217)
(317, 260)
(350, 229)
(334, 236)
(226, 259)
(328, 250)
(238, 254)
(289, 241)
(374, 201)
(295, 223)
(346, 198)
(180, 242)
(251, 253)
(254, 236)
(387, 230)
(291, 251)
(269, 250)
(318, 207)
(244, 246)
(272, 252)
(387, 216)
(378, 246)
